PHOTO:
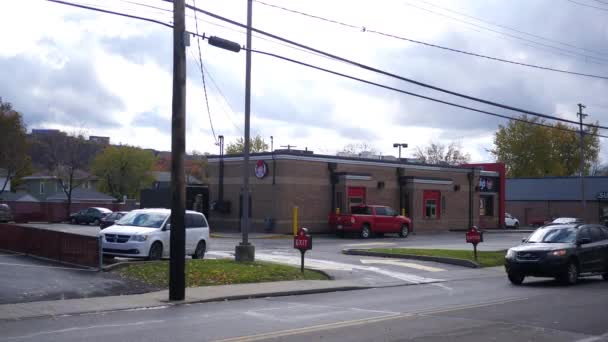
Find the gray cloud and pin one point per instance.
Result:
(69, 95)
(153, 120)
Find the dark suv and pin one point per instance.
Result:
(564, 252)
(90, 215)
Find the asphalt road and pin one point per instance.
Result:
(25, 279)
(488, 309)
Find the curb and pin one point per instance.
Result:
(263, 237)
(444, 260)
(163, 303)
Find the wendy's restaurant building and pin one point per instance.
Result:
(435, 197)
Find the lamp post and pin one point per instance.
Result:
(400, 145)
(245, 251)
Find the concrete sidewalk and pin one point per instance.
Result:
(160, 298)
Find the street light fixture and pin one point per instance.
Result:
(400, 145)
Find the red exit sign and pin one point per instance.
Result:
(302, 241)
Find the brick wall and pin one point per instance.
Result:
(306, 184)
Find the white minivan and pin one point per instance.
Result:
(144, 233)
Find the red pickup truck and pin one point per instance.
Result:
(370, 219)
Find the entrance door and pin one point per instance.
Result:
(356, 196)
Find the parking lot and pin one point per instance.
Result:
(27, 279)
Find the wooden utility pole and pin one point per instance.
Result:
(177, 280)
(581, 116)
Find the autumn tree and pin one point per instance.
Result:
(123, 170)
(256, 144)
(65, 156)
(530, 150)
(196, 166)
(14, 158)
(438, 153)
(360, 147)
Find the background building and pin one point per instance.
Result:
(436, 198)
(535, 200)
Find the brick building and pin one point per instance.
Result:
(436, 198)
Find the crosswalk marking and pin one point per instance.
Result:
(370, 244)
(294, 259)
(403, 264)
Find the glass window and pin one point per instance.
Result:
(361, 210)
(381, 211)
(584, 233)
(390, 212)
(430, 208)
(486, 205)
(596, 234)
(553, 235)
(42, 187)
(143, 219)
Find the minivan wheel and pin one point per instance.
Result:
(156, 251)
(516, 225)
(366, 231)
(405, 231)
(199, 252)
(73, 220)
(516, 278)
(605, 276)
(570, 277)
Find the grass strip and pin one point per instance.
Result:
(484, 258)
(217, 272)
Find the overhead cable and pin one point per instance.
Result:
(386, 73)
(367, 29)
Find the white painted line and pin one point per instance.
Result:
(594, 338)
(326, 265)
(403, 264)
(52, 332)
(371, 244)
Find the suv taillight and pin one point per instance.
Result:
(352, 219)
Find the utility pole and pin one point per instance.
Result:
(245, 252)
(220, 192)
(581, 116)
(177, 280)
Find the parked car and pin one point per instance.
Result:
(370, 219)
(511, 222)
(110, 219)
(566, 220)
(561, 251)
(90, 215)
(144, 233)
(5, 213)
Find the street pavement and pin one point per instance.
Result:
(25, 279)
(478, 309)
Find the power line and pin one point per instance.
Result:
(348, 76)
(604, 60)
(217, 88)
(200, 59)
(366, 29)
(590, 6)
(512, 29)
(113, 12)
(386, 73)
(418, 95)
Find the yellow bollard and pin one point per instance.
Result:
(295, 220)
(338, 211)
(402, 211)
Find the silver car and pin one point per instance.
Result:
(5, 213)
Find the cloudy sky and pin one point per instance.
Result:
(75, 69)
